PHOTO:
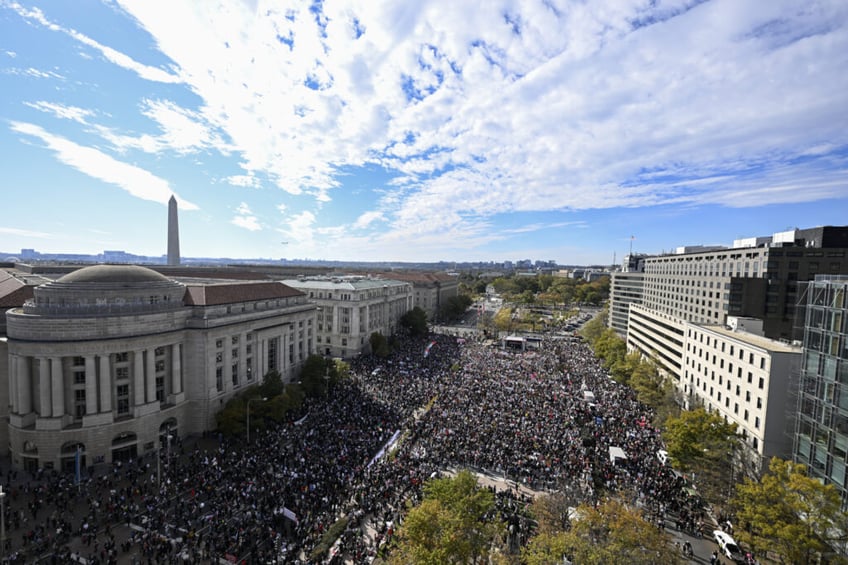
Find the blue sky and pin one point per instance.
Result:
(420, 131)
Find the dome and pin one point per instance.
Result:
(113, 274)
(106, 290)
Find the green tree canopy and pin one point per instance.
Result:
(379, 344)
(702, 443)
(451, 525)
(272, 384)
(593, 329)
(415, 321)
(790, 513)
(318, 375)
(612, 532)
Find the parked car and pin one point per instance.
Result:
(728, 547)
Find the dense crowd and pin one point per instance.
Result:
(362, 452)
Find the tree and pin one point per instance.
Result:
(272, 384)
(612, 532)
(451, 525)
(415, 321)
(702, 443)
(379, 345)
(794, 515)
(595, 327)
(316, 375)
(455, 306)
(609, 347)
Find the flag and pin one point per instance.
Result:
(290, 515)
(427, 349)
(77, 465)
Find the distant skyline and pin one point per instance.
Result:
(420, 131)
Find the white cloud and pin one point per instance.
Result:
(299, 231)
(534, 107)
(245, 181)
(136, 181)
(62, 111)
(245, 218)
(122, 60)
(25, 233)
(366, 219)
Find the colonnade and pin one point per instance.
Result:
(47, 385)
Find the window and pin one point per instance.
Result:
(234, 353)
(219, 343)
(122, 373)
(121, 357)
(159, 351)
(160, 389)
(79, 403)
(757, 422)
(122, 394)
(219, 379)
(235, 374)
(761, 383)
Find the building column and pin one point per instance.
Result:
(13, 384)
(24, 386)
(90, 385)
(260, 358)
(176, 369)
(150, 375)
(44, 405)
(228, 363)
(242, 360)
(138, 377)
(105, 384)
(58, 381)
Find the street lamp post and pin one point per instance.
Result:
(249, 400)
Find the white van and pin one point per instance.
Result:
(728, 547)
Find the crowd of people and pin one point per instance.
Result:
(350, 461)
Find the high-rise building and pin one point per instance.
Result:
(821, 438)
(698, 292)
(173, 233)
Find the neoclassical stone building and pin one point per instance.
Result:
(109, 360)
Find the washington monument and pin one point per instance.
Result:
(173, 233)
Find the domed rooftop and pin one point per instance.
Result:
(113, 274)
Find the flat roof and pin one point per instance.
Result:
(753, 339)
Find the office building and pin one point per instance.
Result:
(351, 308)
(747, 379)
(107, 359)
(821, 439)
(430, 291)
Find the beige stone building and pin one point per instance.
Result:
(351, 308)
(108, 360)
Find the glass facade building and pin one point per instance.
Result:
(821, 438)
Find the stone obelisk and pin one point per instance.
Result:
(173, 233)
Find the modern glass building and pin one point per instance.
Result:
(821, 438)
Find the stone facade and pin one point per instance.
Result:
(109, 360)
(351, 308)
